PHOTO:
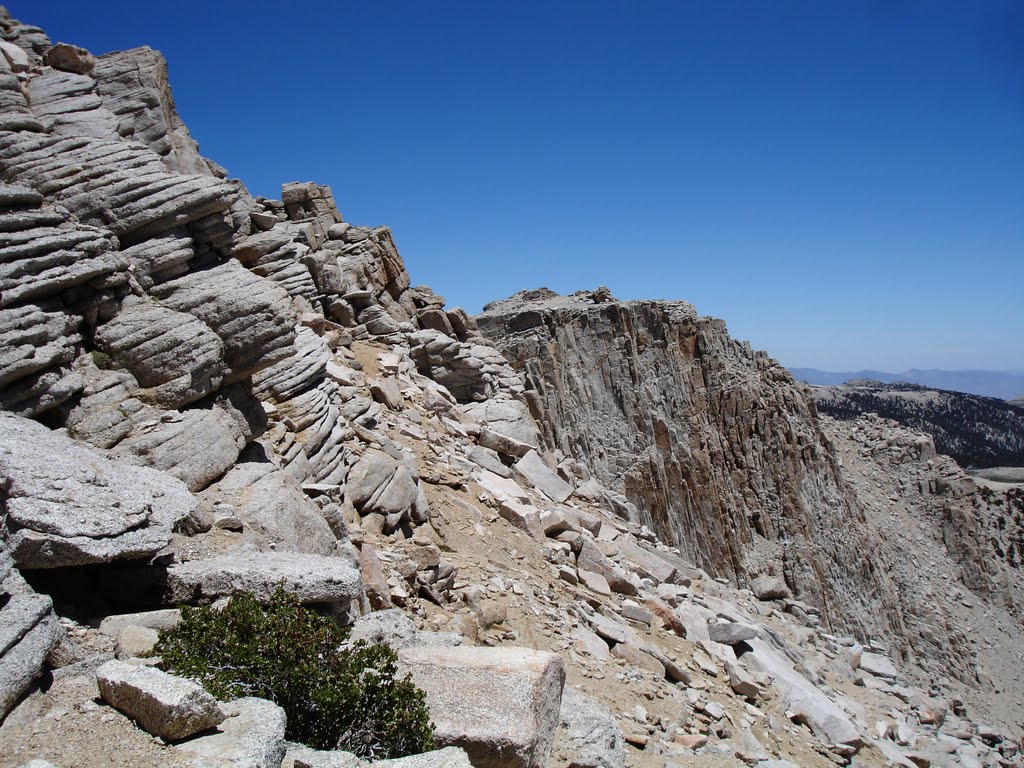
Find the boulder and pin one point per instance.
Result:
(69, 58)
(591, 558)
(66, 504)
(164, 705)
(252, 736)
(29, 631)
(769, 588)
(135, 642)
(166, 618)
(878, 665)
(499, 704)
(378, 483)
(536, 473)
(316, 580)
(592, 739)
(731, 632)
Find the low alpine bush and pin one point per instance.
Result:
(351, 699)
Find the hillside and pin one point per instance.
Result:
(595, 533)
(977, 431)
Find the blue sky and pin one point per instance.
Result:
(843, 182)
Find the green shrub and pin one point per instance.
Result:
(350, 699)
(102, 360)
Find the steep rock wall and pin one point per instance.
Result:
(717, 447)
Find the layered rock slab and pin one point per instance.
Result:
(65, 504)
(314, 579)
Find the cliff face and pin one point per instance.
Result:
(720, 452)
(715, 445)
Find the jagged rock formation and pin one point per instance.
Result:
(235, 392)
(976, 431)
(715, 447)
(721, 453)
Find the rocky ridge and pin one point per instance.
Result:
(236, 392)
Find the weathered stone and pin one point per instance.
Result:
(533, 469)
(741, 681)
(378, 483)
(273, 504)
(65, 504)
(251, 316)
(374, 582)
(595, 582)
(731, 632)
(314, 579)
(166, 618)
(70, 58)
(878, 665)
(252, 736)
(769, 588)
(175, 356)
(638, 658)
(592, 738)
(802, 698)
(590, 558)
(29, 631)
(164, 705)
(499, 704)
(488, 459)
(301, 756)
(523, 516)
(135, 642)
(449, 757)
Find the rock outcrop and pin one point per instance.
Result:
(714, 446)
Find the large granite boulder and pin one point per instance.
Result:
(167, 706)
(499, 704)
(64, 503)
(332, 582)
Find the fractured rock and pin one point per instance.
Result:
(164, 705)
(592, 738)
(314, 579)
(29, 630)
(540, 476)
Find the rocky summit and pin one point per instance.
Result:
(596, 533)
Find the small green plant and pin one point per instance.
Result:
(102, 360)
(349, 699)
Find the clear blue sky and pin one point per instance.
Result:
(843, 182)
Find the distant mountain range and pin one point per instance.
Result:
(1001, 384)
